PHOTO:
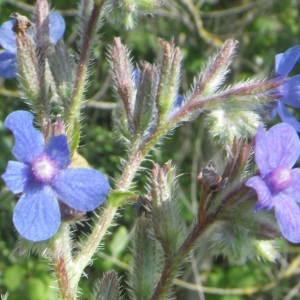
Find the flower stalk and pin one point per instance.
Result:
(62, 264)
(73, 111)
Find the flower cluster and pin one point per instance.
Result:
(8, 58)
(276, 152)
(43, 176)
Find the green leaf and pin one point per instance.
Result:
(119, 241)
(13, 277)
(37, 289)
(117, 198)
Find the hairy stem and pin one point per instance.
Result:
(73, 111)
(102, 224)
(171, 266)
(62, 263)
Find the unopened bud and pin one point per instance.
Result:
(142, 206)
(209, 177)
(70, 214)
(58, 127)
(109, 288)
(166, 221)
(21, 25)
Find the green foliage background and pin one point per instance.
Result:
(263, 29)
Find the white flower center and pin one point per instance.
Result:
(279, 179)
(44, 169)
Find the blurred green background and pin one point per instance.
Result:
(263, 29)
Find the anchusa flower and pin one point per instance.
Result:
(290, 90)
(276, 152)
(8, 58)
(43, 176)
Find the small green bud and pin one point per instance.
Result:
(225, 122)
(166, 220)
(28, 69)
(62, 67)
(122, 70)
(169, 79)
(266, 250)
(145, 98)
(109, 287)
(214, 74)
(146, 263)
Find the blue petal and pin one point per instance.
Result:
(37, 215)
(176, 105)
(285, 62)
(283, 145)
(287, 117)
(57, 27)
(8, 65)
(265, 200)
(7, 37)
(262, 151)
(29, 142)
(17, 176)
(58, 150)
(287, 213)
(278, 59)
(81, 188)
(136, 77)
(273, 113)
(291, 92)
(294, 190)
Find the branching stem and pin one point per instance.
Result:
(171, 267)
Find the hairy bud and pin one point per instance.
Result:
(166, 221)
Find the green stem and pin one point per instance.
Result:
(100, 227)
(73, 112)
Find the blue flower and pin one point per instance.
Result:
(43, 176)
(290, 90)
(8, 58)
(278, 186)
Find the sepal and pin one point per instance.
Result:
(165, 214)
(146, 263)
(215, 72)
(145, 98)
(28, 71)
(266, 250)
(108, 289)
(238, 233)
(62, 67)
(169, 79)
(124, 84)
